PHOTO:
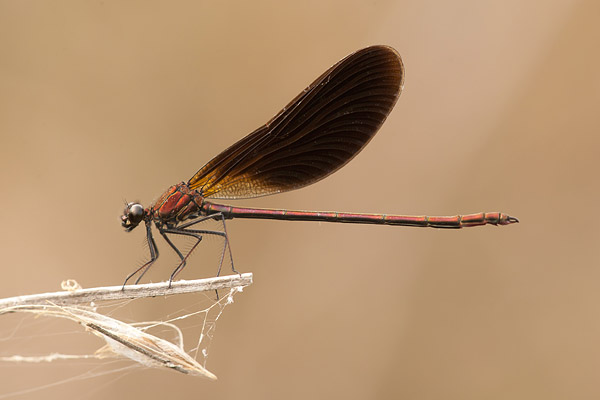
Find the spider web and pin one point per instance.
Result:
(109, 337)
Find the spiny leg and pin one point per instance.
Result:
(227, 246)
(181, 257)
(153, 256)
(180, 230)
(195, 234)
(177, 231)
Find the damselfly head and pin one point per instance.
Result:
(132, 216)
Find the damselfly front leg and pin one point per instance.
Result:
(153, 256)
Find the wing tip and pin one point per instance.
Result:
(386, 51)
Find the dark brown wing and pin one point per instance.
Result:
(322, 129)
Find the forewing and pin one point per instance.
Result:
(317, 133)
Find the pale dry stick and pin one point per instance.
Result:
(124, 339)
(80, 296)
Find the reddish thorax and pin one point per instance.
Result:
(177, 204)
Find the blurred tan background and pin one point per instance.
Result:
(107, 100)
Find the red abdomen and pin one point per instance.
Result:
(178, 203)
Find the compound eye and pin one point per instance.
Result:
(135, 213)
